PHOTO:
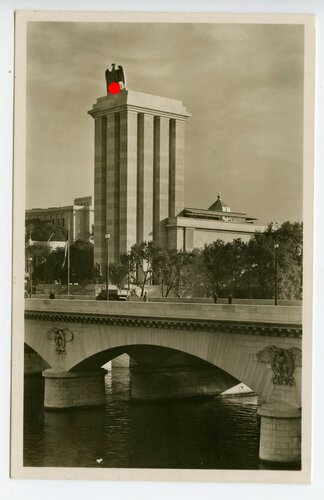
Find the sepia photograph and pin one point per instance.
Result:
(163, 187)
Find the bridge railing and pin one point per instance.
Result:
(230, 312)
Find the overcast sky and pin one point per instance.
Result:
(243, 85)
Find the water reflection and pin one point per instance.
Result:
(214, 433)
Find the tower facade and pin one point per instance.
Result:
(139, 170)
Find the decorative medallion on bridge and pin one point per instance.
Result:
(60, 336)
(283, 363)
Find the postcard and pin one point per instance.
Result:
(162, 250)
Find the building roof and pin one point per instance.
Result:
(201, 213)
(218, 211)
(219, 205)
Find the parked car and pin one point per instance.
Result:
(113, 295)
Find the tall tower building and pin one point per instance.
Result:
(139, 169)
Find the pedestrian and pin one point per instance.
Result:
(230, 298)
(215, 296)
(145, 297)
(52, 295)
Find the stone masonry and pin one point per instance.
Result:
(65, 390)
(252, 344)
(139, 169)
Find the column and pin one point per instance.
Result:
(100, 190)
(176, 237)
(161, 179)
(176, 174)
(280, 433)
(113, 186)
(128, 180)
(189, 238)
(64, 390)
(145, 178)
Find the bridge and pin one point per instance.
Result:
(257, 345)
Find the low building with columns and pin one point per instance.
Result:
(195, 227)
(80, 215)
(139, 179)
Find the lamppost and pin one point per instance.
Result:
(300, 255)
(251, 277)
(276, 246)
(30, 271)
(107, 236)
(178, 292)
(128, 275)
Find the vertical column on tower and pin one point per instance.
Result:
(127, 180)
(100, 190)
(176, 173)
(145, 177)
(113, 184)
(161, 179)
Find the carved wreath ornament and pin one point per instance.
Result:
(283, 363)
(60, 336)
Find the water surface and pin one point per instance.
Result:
(213, 433)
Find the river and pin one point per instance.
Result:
(213, 433)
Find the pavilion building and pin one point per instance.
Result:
(139, 179)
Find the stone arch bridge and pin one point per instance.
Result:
(258, 345)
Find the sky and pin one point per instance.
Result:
(242, 84)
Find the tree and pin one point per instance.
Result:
(169, 267)
(262, 253)
(143, 257)
(260, 264)
(38, 230)
(289, 237)
(118, 274)
(52, 269)
(234, 256)
(223, 266)
(97, 275)
(81, 255)
(193, 276)
(216, 277)
(248, 269)
(50, 266)
(39, 254)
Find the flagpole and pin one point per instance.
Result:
(68, 257)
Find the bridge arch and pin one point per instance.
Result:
(163, 373)
(232, 339)
(233, 352)
(33, 361)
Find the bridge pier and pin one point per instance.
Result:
(64, 390)
(280, 434)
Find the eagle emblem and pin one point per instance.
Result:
(60, 336)
(283, 363)
(115, 75)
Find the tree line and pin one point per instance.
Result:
(237, 268)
